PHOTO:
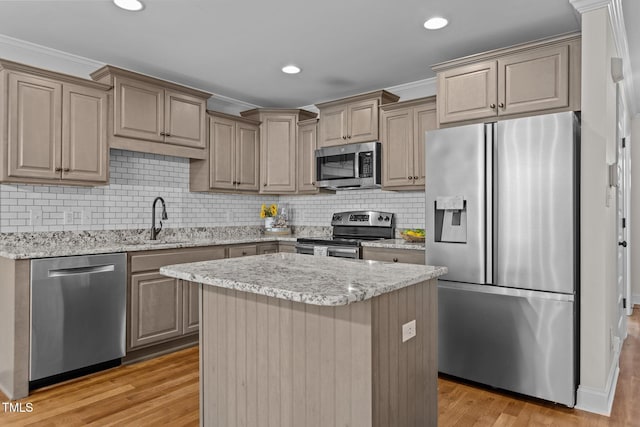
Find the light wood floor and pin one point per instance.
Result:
(164, 391)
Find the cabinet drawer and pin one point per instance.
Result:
(289, 247)
(156, 259)
(242, 250)
(407, 256)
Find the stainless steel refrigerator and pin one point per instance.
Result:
(502, 212)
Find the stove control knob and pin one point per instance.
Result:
(380, 218)
(386, 218)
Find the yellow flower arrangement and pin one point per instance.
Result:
(266, 212)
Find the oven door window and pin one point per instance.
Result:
(342, 166)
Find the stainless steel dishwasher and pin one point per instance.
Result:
(78, 316)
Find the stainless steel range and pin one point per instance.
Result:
(349, 230)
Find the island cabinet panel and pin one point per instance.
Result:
(405, 384)
(272, 362)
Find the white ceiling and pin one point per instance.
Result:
(236, 48)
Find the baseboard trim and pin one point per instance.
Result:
(600, 401)
(635, 299)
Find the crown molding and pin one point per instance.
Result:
(429, 83)
(54, 53)
(584, 6)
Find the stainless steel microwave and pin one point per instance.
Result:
(348, 166)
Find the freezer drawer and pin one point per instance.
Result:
(517, 340)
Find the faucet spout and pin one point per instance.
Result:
(155, 231)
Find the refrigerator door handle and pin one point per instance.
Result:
(490, 134)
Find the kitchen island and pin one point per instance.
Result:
(298, 340)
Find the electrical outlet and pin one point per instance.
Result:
(68, 218)
(86, 217)
(35, 217)
(408, 331)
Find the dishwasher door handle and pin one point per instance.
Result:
(62, 272)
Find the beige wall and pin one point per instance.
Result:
(634, 222)
(598, 234)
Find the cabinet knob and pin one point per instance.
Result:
(349, 136)
(344, 137)
(415, 177)
(244, 253)
(58, 169)
(492, 106)
(313, 183)
(65, 170)
(501, 105)
(163, 134)
(167, 134)
(395, 259)
(409, 177)
(264, 185)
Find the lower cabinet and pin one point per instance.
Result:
(190, 310)
(162, 308)
(407, 256)
(289, 247)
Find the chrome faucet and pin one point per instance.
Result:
(155, 231)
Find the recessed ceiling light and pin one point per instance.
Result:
(290, 69)
(131, 5)
(435, 23)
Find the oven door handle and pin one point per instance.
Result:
(350, 251)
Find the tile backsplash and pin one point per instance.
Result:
(137, 178)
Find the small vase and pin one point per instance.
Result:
(268, 222)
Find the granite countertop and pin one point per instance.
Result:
(394, 244)
(58, 244)
(327, 281)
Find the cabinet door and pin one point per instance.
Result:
(307, 134)
(139, 110)
(288, 247)
(35, 122)
(278, 154)
(190, 307)
(534, 80)
(156, 308)
(363, 121)
(184, 119)
(424, 119)
(85, 153)
(222, 152)
(468, 92)
(407, 256)
(397, 147)
(267, 248)
(247, 157)
(333, 126)
(242, 250)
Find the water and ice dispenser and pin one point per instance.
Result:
(451, 219)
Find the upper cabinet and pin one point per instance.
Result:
(351, 120)
(155, 116)
(278, 148)
(233, 161)
(307, 143)
(53, 127)
(532, 78)
(403, 126)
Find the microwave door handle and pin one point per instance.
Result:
(356, 165)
